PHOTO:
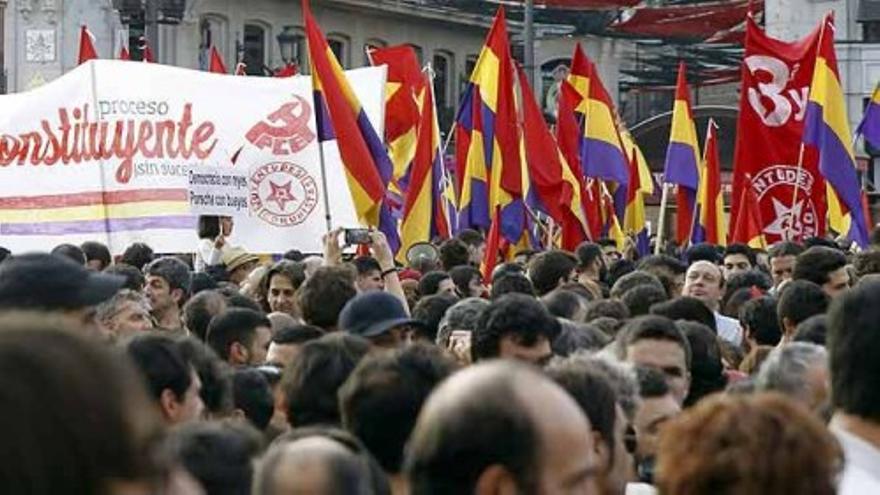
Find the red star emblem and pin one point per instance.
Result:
(280, 194)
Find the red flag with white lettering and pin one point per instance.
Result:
(776, 79)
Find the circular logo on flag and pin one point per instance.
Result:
(282, 193)
(786, 202)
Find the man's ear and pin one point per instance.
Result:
(788, 326)
(600, 447)
(496, 480)
(169, 405)
(238, 353)
(177, 295)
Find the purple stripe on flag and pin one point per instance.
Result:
(870, 126)
(388, 226)
(513, 220)
(619, 197)
(681, 166)
(643, 243)
(488, 131)
(377, 149)
(603, 160)
(182, 222)
(836, 165)
(475, 215)
(465, 117)
(322, 118)
(699, 233)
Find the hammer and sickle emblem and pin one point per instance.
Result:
(287, 130)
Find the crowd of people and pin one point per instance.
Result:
(701, 371)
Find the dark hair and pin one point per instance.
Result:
(323, 295)
(293, 255)
(516, 315)
(742, 249)
(208, 227)
(819, 241)
(97, 251)
(252, 394)
(429, 284)
(507, 268)
(703, 252)
(618, 270)
(198, 311)
(593, 392)
(297, 334)
(293, 270)
(235, 325)
(634, 279)
(215, 375)
(814, 330)
(608, 325)
(311, 381)
(220, 455)
(661, 261)
(607, 308)
(511, 283)
(430, 310)
(707, 370)
(241, 301)
(587, 253)
(71, 252)
(784, 248)
(351, 471)
(736, 299)
(853, 347)
(758, 318)
(134, 278)
(161, 363)
(137, 255)
(202, 281)
(74, 415)
(652, 382)
(867, 262)
(366, 264)
(564, 303)
(4, 254)
(816, 263)
(384, 394)
(461, 276)
(686, 308)
(745, 280)
(470, 237)
(799, 300)
(639, 299)
(453, 253)
(574, 337)
(653, 327)
(174, 271)
(447, 452)
(548, 268)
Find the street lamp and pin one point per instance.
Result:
(287, 43)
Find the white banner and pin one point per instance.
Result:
(104, 153)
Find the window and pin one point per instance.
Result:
(254, 47)
(444, 75)
(212, 32)
(871, 31)
(339, 46)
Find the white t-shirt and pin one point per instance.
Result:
(207, 255)
(861, 474)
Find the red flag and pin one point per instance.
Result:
(289, 70)
(86, 46)
(869, 219)
(493, 246)
(217, 66)
(776, 77)
(123, 53)
(749, 227)
(148, 52)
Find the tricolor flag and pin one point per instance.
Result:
(568, 139)
(710, 226)
(489, 168)
(749, 226)
(403, 89)
(216, 64)
(869, 127)
(549, 175)
(86, 46)
(424, 216)
(683, 158)
(641, 184)
(340, 117)
(827, 129)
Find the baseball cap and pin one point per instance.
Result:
(374, 313)
(235, 257)
(44, 281)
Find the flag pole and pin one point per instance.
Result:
(800, 166)
(661, 220)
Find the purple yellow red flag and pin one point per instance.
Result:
(424, 217)
(826, 128)
(340, 117)
(710, 226)
(682, 158)
(869, 127)
(640, 185)
(403, 90)
(489, 165)
(602, 154)
(568, 139)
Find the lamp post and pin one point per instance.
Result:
(287, 45)
(152, 13)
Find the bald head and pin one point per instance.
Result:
(704, 281)
(498, 423)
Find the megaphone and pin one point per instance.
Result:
(420, 253)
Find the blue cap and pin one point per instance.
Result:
(374, 313)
